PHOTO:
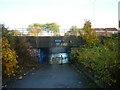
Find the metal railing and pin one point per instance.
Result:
(26, 32)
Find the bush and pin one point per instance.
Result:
(9, 58)
(102, 60)
(15, 51)
(24, 51)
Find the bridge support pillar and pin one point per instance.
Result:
(41, 56)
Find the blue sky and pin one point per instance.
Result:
(21, 13)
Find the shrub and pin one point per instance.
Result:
(9, 58)
(23, 49)
(102, 60)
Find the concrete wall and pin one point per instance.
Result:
(58, 49)
(44, 42)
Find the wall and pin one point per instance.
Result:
(44, 55)
(58, 49)
(45, 42)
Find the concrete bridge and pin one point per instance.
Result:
(44, 46)
(53, 41)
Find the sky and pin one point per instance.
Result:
(21, 13)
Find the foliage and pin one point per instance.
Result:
(36, 28)
(23, 49)
(102, 60)
(54, 27)
(89, 35)
(15, 33)
(9, 58)
(19, 44)
(73, 31)
(8, 34)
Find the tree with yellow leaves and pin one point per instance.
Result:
(9, 58)
(35, 29)
(89, 35)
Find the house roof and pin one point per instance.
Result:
(111, 29)
(108, 29)
(98, 29)
(103, 29)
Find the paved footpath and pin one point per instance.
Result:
(51, 76)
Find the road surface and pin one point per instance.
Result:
(51, 76)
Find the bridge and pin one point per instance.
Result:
(54, 41)
(44, 46)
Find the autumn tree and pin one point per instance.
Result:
(89, 35)
(9, 34)
(9, 58)
(35, 29)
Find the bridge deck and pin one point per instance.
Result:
(51, 41)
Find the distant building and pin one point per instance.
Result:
(119, 15)
(111, 31)
(99, 31)
(105, 31)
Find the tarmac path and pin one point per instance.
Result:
(51, 76)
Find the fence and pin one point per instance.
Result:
(36, 32)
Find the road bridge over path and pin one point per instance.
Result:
(53, 41)
(44, 46)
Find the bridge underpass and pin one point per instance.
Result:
(46, 46)
(52, 76)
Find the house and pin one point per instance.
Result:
(111, 30)
(100, 31)
(105, 31)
